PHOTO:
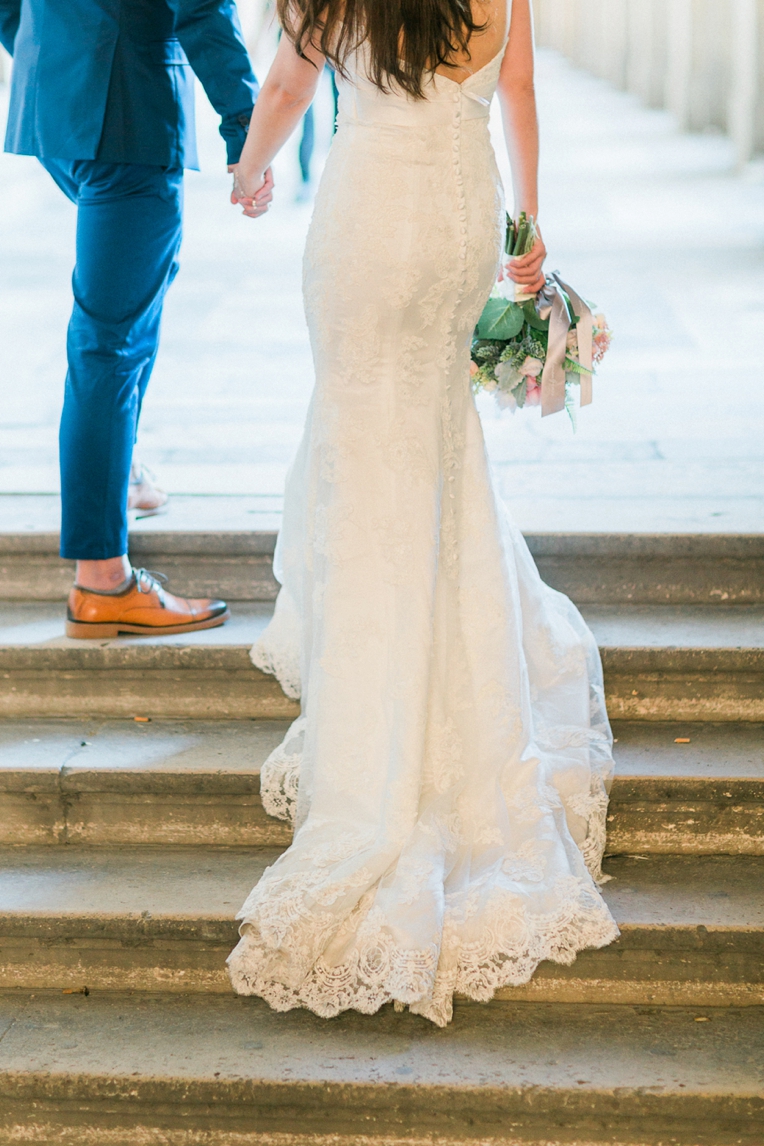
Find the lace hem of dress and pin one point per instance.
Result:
(280, 775)
(265, 656)
(280, 783)
(511, 944)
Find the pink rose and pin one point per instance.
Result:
(532, 392)
(601, 344)
(473, 369)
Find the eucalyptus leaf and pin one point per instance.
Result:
(500, 319)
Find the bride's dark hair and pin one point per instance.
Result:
(406, 39)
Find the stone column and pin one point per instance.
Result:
(541, 14)
(592, 33)
(712, 64)
(613, 16)
(679, 64)
(647, 50)
(746, 99)
(701, 59)
(592, 42)
(699, 63)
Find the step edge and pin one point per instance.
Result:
(680, 545)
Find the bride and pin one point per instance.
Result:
(448, 776)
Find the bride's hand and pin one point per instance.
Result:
(253, 194)
(528, 269)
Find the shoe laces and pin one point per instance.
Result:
(150, 579)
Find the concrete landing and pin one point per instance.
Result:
(229, 1070)
(672, 441)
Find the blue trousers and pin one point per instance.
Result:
(129, 222)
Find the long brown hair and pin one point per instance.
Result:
(406, 39)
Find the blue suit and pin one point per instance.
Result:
(102, 93)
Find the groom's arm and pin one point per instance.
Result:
(10, 14)
(210, 35)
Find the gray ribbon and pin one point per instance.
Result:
(552, 304)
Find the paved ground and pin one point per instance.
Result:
(653, 225)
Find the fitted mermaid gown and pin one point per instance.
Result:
(448, 777)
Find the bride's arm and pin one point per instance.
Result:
(517, 98)
(284, 98)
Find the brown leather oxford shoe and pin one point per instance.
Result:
(144, 608)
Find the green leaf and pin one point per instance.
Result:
(532, 318)
(573, 367)
(570, 406)
(500, 319)
(509, 236)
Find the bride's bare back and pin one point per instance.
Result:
(484, 46)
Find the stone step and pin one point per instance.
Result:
(237, 566)
(200, 675)
(662, 662)
(181, 783)
(592, 568)
(692, 928)
(705, 797)
(122, 1070)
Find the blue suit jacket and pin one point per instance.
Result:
(112, 79)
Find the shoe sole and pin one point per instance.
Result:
(151, 511)
(87, 630)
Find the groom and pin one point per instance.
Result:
(103, 94)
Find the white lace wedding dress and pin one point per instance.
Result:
(448, 776)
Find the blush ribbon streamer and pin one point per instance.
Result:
(552, 304)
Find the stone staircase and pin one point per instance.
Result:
(126, 847)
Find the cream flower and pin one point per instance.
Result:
(532, 367)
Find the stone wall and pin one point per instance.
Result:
(703, 60)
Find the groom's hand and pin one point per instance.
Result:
(252, 195)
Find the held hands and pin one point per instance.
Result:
(252, 193)
(527, 270)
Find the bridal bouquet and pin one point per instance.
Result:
(536, 350)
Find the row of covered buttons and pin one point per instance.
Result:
(459, 179)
